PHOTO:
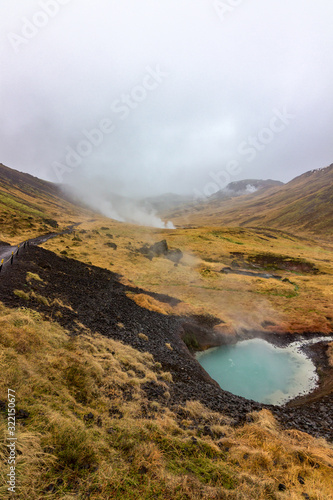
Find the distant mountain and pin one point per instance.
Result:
(243, 187)
(303, 204)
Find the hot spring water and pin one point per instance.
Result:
(256, 369)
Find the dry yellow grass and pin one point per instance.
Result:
(301, 303)
(91, 430)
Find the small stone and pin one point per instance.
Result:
(207, 431)
(143, 470)
(89, 416)
(50, 488)
(22, 414)
(282, 487)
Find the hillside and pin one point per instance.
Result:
(303, 204)
(111, 405)
(30, 206)
(99, 327)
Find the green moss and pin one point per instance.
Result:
(190, 341)
(11, 203)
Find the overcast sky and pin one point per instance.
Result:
(150, 96)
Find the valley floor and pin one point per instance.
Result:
(96, 300)
(116, 374)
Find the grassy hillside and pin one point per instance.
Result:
(303, 205)
(97, 418)
(86, 428)
(30, 206)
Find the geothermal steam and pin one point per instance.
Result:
(100, 198)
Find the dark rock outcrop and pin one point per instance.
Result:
(161, 249)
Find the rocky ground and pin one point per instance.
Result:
(97, 300)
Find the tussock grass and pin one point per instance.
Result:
(91, 431)
(31, 295)
(143, 336)
(33, 277)
(150, 303)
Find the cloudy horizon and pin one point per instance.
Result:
(180, 97)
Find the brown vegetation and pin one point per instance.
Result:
(89, 430)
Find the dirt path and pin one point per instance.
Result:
(6, 251)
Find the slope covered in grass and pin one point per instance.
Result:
(303, 204)
(88, 430)
(102, 419)
(30, 206)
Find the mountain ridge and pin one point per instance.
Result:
(303, 204)
(245, 186)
